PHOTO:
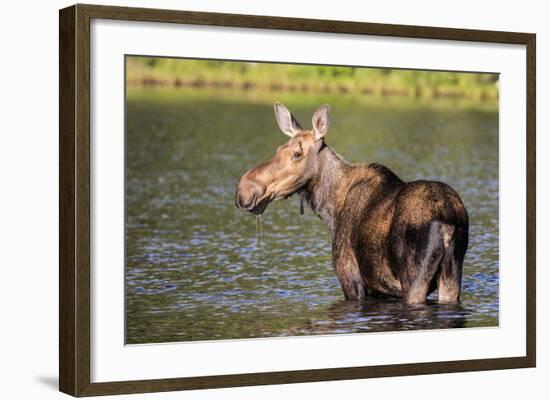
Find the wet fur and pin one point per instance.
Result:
(389, 237)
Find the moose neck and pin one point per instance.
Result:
(324, 190)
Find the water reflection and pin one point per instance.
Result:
(376, 314)
(196, 268)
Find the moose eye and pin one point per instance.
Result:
(296, 155)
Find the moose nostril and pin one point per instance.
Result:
(241, 203)
(239, 200)
(247, 193)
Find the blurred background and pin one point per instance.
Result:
(199, 269)
(312, 78)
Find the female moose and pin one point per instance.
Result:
(389, 237)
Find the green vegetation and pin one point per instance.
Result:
(310, 78)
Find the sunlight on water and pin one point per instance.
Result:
(196, 271)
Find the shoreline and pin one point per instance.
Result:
(340, 88)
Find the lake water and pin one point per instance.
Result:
(199, 269)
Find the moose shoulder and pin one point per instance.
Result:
(389, 237)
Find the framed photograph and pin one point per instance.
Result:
(250, 200)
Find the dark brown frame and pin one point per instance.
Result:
(74, 199)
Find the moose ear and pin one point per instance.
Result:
(286, 121)
(320, 121)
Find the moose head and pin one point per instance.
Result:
(294, 164)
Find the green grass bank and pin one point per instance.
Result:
(156, 71)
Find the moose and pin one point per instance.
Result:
(390, 238)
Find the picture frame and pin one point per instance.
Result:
(76, 208)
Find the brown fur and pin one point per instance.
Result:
(389, 237)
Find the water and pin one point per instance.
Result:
(198, 269)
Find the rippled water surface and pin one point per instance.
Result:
(199, 269)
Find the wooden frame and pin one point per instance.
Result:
(74, 203)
